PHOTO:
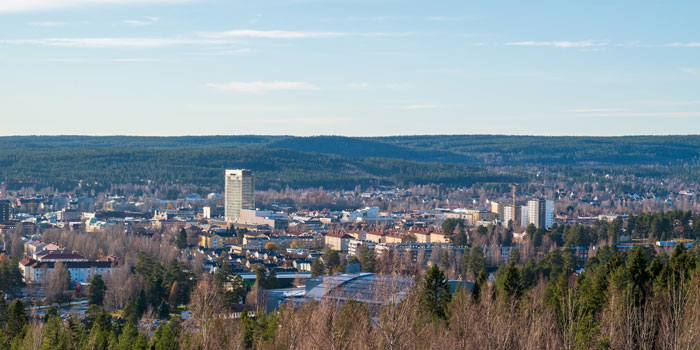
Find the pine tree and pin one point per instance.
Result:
(435, 294)
(11, 281)
(639, 275)
(127, 340)
(96, 291)
(465, 263)
(317, 268)
(477, 262)
(164, 338)
(16, 319)
(509, 283)
(479, 285)
(368, 259)
(54, 336)
(181, 241)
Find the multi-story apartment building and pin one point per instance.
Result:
(540, 212)
(239, 193)
(4, 210)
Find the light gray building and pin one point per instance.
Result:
(239, 193)
(540, 212)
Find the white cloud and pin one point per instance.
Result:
(691, 71)
(640, 114)
(250, 108)
(115, 42)
(421, 107)
(593, 110)
(72, 60)
(257, 87)
(297, 120)
(41, 5)
(287, 34)
(679, 44)
(54, 24)
(669, 103)
(270, 34)
(256, 108)
(561, 44)
(147, 21)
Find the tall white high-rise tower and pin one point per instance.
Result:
(239, 193)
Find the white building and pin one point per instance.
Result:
(524, 216)
(239, 193)
(540, 212)
(354, 246)
(254, 217)
(521, 215)
(80, 269)
(367, 214)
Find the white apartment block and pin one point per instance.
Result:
(239, 193)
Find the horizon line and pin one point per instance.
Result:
(343, 136)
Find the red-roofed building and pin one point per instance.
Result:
(35, 271)
(337, 241)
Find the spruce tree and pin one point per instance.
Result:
(181, 241)
(96, 291)
(435, 294)
(16, 319)
(509, 283)
(317, 268)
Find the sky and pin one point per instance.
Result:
(349, 67)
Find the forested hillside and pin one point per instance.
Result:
(342, 162)
(64, 167)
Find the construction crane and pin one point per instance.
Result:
(513, 185)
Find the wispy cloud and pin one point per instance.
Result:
(669, 103)
(633, 114)
(560, 44)
(128, 59)
(412, 107)
(54, 23)
(593, 110)
(287, 34)
(147, 21)
(691, 71)
(270, 34)
(297, 120)
(250, 108)
(115, 42)
(258, 87)
(42, 5)
(680, 44)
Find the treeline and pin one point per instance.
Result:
(342, 162)
(469, 149)
(63, 168)
(623, 300)
(562, 150)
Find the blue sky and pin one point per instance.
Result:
(349, 67)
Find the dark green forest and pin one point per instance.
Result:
(341, 162)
